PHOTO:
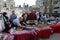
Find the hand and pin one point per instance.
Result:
(25, 24)
(22, 26)
(9, 25)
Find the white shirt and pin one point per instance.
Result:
(1, 25)
(16, 22)
(45, 17)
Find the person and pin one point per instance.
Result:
(40, 20)
(32, 15)
(6, 22)
(23, 22)
(18, 22)
(24, 17)
(13, 16)
(37, 13)
(5, 18)
(32, 18)
(51, 20)
(45, 17)
(2, 26)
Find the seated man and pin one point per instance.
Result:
(51, 20)
(32, 17)
(18, 22)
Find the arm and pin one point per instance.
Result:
(15, 16)
(3, 26)
(35, 17)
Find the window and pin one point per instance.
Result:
(55, 11)
(5, 5)
(7, 8)
(55, 2)
(56, 7)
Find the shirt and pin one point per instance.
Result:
(12, 17)
(32, 16)
(1, 25)
(16, 22)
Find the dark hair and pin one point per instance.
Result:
(39, 13)
(13, 11)
(23, 15)
(4, 13)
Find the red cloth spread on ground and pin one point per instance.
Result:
(25, 37)
(56, 28)
(46, 33)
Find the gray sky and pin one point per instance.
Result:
(20, 2)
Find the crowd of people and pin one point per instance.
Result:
(32, 18)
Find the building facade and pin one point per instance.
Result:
(45, 5)
(9, 4)
(41, 4)
(56, 7)
(6, 5)
(1, 4)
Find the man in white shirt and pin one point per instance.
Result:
(17, 21)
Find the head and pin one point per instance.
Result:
(39, 13)
(21, 18)
(4, 13)
(33, 11)
(13, 12)
(47, 14)
(26, 12)
(24, 15)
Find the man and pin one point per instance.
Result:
(18, 21)
(32, 15)
(13, 16)
(32, 18)
(6, 22)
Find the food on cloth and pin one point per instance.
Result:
(41, 25)
(20, 28)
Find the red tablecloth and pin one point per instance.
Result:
(44, 33)
(25, 37)
(55, 28)
(33, 35)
